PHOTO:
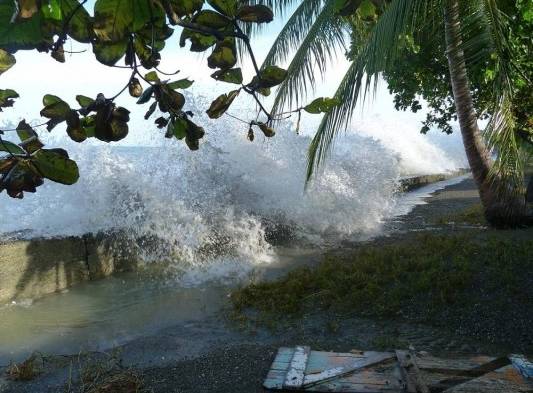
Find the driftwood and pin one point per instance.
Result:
(301, 369)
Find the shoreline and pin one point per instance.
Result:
(219, 354)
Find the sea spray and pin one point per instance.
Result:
(217, 212)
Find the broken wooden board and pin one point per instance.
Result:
(333, 372)
(301, 369)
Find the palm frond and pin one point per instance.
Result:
(294, 31)
(378, 54)
(318, 48)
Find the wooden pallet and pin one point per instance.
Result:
(301, 369)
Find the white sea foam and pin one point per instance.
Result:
(217, 211)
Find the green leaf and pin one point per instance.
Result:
(321, 105)
(54, 165)
(224, 55)
(233, 75)
(29, 139)
(7, 60)
(11, 148)
(6, 98)
(152, 76)
(50, 99)
(221, 104)
(199, 42)
(109, 53)
(146, 95)
(180, 84)
(22, 34)
(367, 10)
(114, 19)
(212, 19)
(255, 13)
(178, 128)
(84, 101)
(80, 25)
(271, 76)
(55, 108)
(226, 7)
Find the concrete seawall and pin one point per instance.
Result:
(36, 267)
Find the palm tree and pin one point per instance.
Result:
(316, 32)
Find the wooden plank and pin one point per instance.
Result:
(412, 378)
(472, 367)
(295, 374)
(336, 372)
(523, 365)
(503, 380)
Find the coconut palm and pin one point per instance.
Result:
(473, 31)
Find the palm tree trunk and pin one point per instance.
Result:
(497, 211)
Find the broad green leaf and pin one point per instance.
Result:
(29, 139)
(25, 131)
(11, 148)
(212, 19)
(7, 60)
(109, 53)
(221, 104)
(22, 34)
(233, 75)
(80, 23)
(55, 166)
(152, 76)
(50, 99)
(271, 76)
(84, 101)
(57, 111)
(321, 105)
(113, 19)
(6, 98)
(146, 95)
(55, 108)
(199, 42)
(178, 128)
(255, 13)
(180, 84)
(223, 56)
(226, 7)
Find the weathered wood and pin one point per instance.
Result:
(379, 372)
(523, 365)
(503, 380)
(295, 374)
(470, 367)
(414, 382)
(332, 373)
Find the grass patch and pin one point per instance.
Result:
(472, 215)
(417, 278)
(26, 370)
(104, 373)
